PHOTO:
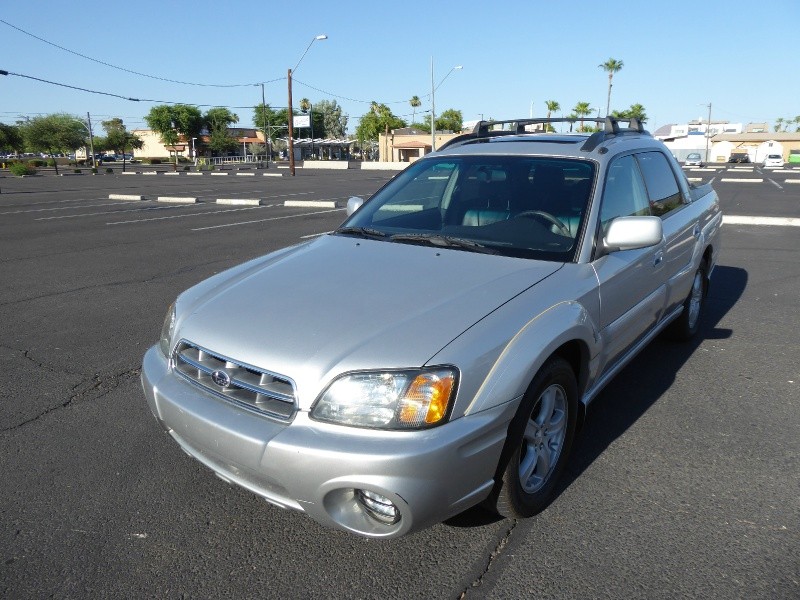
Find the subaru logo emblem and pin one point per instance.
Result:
(221, 378)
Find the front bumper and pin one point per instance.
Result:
(428, 475)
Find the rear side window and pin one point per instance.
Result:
(662, 188)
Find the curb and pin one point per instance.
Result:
(125, 197)
(177, 200)
(240, 201)
(273, 175)
(223, 173)
(310, 204)
(246, 174)
(194, 173)
(155, 172)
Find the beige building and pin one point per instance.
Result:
(154, 148)
(407, 144)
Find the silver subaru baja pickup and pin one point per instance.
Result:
(440, 348)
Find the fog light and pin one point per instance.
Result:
(379, 507)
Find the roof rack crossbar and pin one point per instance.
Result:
(610, 126)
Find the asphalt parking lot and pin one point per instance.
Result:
(684, 483)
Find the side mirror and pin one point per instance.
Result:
(353, 204)
(632, 233)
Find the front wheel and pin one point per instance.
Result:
(538, 443)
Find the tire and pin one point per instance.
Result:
(685, 327)
(538, 443)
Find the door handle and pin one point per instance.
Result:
(658, 258)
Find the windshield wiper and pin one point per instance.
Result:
(442, 241)
(364, 232)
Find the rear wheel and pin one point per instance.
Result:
(538, 443)
(687, 324)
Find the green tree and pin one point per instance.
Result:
(175, 122)
(266, 119)
(218, 120)
(378, 120)
(11, 138)
(611, 66)
(552, 106)
(55, 133)
(334, 123)
(120, 139)
(779, 125)
(415, 103)
(450, 120)
(636, 111)
(580, 111)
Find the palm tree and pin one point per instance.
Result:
(415, 103)
(611, 66)
(779, 124)
(581, 110)
(552, 106)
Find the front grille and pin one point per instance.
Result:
(246, 386)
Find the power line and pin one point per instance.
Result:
(331, 94)
(219, 85)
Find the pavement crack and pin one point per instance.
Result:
(91, 388)
(498, 550)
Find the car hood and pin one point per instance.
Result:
(340, 303)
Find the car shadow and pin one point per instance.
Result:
(636, 388)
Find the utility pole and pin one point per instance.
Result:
(291, 125)
(91, 139)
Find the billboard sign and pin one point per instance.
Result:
(301, 121)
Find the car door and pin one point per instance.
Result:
(631, 282)
(681, 226)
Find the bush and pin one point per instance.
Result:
(51, 162)
(109, 170)
(20, 169)
(36, 162)
(76, 171)
(186, 168)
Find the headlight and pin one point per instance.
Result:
(165, 343)
(389, 400)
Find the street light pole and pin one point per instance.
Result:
(267, 140)
(290, 115)
(433, 102)
(708, 131)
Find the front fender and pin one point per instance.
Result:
(514, 353)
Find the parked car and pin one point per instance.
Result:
(693, 159)
(739, 157)
(108, 158)
(440, 348)
(773, 160)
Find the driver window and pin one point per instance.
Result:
(624, 194)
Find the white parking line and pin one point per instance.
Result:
(37, 210)
(772, 181)
(737, 220)
(106, 212)
(318, 212)
(194, 214)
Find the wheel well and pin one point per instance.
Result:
(576, 354)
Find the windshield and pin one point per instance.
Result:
(529, 207)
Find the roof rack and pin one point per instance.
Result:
(487, 129)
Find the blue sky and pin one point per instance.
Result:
(678, 55)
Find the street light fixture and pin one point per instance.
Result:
(433, 102)
(290, 116)
(708, 128)
(194, 151)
